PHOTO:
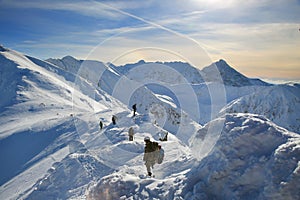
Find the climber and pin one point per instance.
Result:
(113, 119)
(101, 125)
(130, 133)
(150, 154)
(134, 109)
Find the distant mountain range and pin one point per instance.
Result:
(205, 84)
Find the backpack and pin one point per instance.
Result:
(154, 146)
(161, 155)
(151, 147)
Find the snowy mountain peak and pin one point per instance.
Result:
(222, 65)
(225, 68)
(69, 58)
(222, 62)
(67, 63)
(141, 62)
(229, 75)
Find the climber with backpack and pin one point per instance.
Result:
(150, 154)
(131, 133)
(153, 153)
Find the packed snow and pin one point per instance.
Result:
(279, 103)
(252, 159)
(225, 132)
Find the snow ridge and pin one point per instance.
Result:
(247, 162)
(278, 103)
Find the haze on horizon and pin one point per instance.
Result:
(258, 38)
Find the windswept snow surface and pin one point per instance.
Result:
(52, 147)
(252, 159)
(279, 103)
(43, 122)
(135, 86)
(208, 90)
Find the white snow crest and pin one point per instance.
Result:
(279, 103)
(252, 159)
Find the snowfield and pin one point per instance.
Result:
(229, 137)
(279, 103)
(252, 159)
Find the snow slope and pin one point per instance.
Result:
(209, 90)
(129, 89)
(51, 132)
(252, 159)
(170, 72)
(148, 80)
(40, 119)
(68, 63)
(279, 103)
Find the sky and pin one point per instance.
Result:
(259, 38)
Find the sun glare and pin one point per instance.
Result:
(214, 4)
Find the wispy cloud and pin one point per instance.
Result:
(87, 8)
(255, 36)
(260, 38)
